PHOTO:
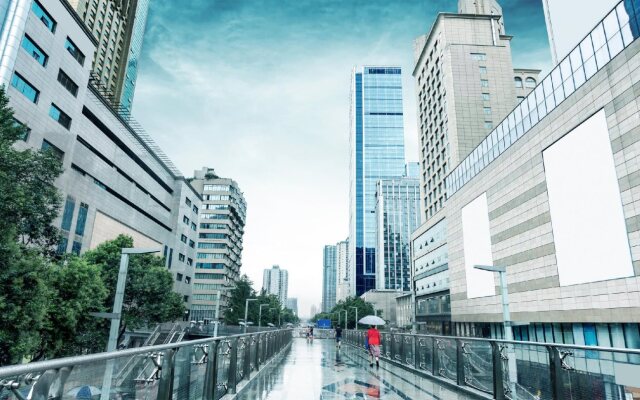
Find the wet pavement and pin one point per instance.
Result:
(319, 371)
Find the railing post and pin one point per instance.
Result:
(258, 349)
(165, 386)
(460, 362)
(555, 371)
(247, 357)
(211, 372)
(498, 373)
(435, 367)
(233, 366)
(415, 352)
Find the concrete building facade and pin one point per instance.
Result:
(530, 194)
(115, 179)
(397, 216)
(329, 275)
(466, 84)
(275, 281)
(118, 26)
(220, 226)
(292, 304)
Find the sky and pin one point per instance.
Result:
(259, 90)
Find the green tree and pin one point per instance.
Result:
(148, 298)
(29, 202)
(237, 297)
(76, 290)
(364, 309)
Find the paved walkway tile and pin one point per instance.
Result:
(319, 371)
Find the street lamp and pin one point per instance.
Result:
(260, 313)
(506, 320)
(356, 316)
(246, 311)
(116, 316)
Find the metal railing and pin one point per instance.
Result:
(204, 369)
(541, 370)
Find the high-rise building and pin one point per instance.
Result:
(119, 27)
(565, 28)
(343, 278)
(466, 85)
(329, 272)
(397, 216)
(276, 281)
(115, 179)
(376, 152)
(530, 196)
(292, 304)
(220, 230)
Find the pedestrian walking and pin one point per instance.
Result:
(338, 337)
(373, 341)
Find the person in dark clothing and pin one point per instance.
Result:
(338, 336)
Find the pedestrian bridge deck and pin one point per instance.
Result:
(319, 370)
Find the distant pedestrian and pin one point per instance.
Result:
(373, 341)
(310, 335)
(338, 336)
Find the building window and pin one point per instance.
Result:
(62, 245)
(34, 50)
(183, 238)
(486, 96)
(75, 249)
(25, 130)
(530, 83)
(74, 51)
(487, 110)
(483, 70)
(488, 125)
(58, 115)
(187, 280)
(181, 257)
(170, 258)
(479, 56)
(185, 299)
(179, 277)
(192, 244)
(189, 261)
(67, 214)
(68, 84)
(194, 227)
(484, 83)
(195, 209)
(47, 146)
(185, 220)
(82, 219)
(187, 201)
(24, 87)
(43, 15)
(518, 82)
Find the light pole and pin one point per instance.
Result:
(356, 316)
(260, 313)
(506, 320)
(217, 321)
(116, 316)
(246, 311)
(345, 318)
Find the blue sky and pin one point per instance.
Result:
(259, 90)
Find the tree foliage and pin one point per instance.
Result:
(364, 309)
(236, 304)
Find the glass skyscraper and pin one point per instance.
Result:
(377, 153)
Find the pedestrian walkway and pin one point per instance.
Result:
(320, 371)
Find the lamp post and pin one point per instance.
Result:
(260, 314)
(345, 318)
(356, 316)
(506, 320)
(116, 316)
(246, 311)
(217, 321)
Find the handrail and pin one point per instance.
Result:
(20, 369)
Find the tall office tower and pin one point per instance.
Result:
(397, 216)
(376, 152)
(220, 229)
(466, 85)
(342, 271)
(119, 26)
(412, 170)
(329, 266)
(292, 304)
(276, 281)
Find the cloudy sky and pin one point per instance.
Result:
(259, 90)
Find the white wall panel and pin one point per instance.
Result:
(477, 248)
(586, 208)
